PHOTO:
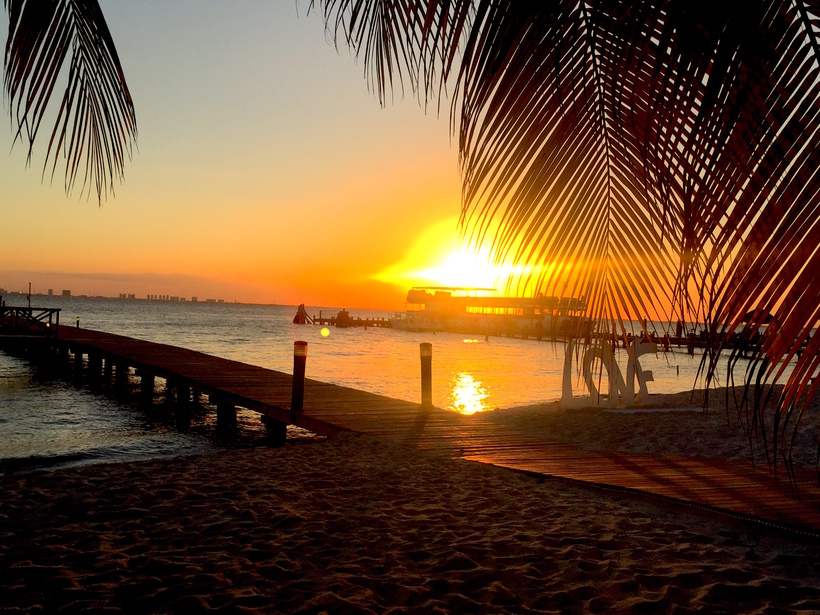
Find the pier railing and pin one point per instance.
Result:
(29, 321)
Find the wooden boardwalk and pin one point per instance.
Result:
(732, 487)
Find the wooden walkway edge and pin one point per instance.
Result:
(735, 488)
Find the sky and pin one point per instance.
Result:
(265, 171)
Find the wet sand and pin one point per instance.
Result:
(353, 525)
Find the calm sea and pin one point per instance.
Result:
(47, 422)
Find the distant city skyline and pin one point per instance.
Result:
(64, 293)
(111, 286)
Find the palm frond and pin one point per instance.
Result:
(400, 38)
(768, 240)
(96, 124)
(660, 156)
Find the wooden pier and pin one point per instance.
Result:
(336, 321)
(29, 321)
(723, 488)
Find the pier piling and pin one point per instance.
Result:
(121, 379)
(426, 353)
(94, 369)
(183, 396)
(146, 389)
(108, 372)
(169, 391)
(225, 418)
(183, 406)
(299, 360)
(78, 364)
(277, 431)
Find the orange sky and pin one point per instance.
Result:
(266, 172)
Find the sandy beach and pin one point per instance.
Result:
(355, 525)
(673, 424)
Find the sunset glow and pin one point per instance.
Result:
(257, 178)
(439, 257)
(460, 268)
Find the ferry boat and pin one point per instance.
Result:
(482, 311)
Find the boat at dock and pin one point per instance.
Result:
(343, 320)
(482, 311)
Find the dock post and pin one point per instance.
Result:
(426, 352)
(183, 395)
(121, 379)
(170, 385)
(94, 369)
(108, 372)
(225, 418)
(78, 363)
(52, 360)
(183, 408)
(146, 388)
(62, 355)
(297, 399)
(277, 431)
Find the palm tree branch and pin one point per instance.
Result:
(95, 126)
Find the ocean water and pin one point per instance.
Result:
(48, 422)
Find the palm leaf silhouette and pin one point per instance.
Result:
(95, 124)
(660, 156)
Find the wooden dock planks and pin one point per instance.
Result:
(733, 487)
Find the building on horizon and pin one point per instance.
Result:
(50, 292)
(66, 293)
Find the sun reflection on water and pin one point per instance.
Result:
(467, 395)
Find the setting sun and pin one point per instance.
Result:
(440, 258)
(460, 268)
